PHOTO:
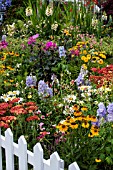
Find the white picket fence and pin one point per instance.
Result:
(25, 156)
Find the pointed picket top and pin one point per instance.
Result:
(22, 149)
(55, 161)
(74, 166)
(9, 149)
(38, 157)
(8, 133)
(22, 140)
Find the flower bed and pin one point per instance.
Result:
(57, 89)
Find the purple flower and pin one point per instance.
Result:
(44, 90)
(110, 118)
(31, 81)
(101, 111)
(80, 80)
(110, 108)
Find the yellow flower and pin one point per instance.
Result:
(77, 113)
(62, 128)
(89, 56)
(96, 53)
(74, 125)
(11, 53)
(90, 135)
(75, 107)
(98, 160)
(84, 66)
(29, 96)
(83, 57)
(11, 81)
(100, 61)
(102, 55)
(85, 124)
(16, 54)
(84, 52)
(94, 130)
(86, 59)
(84, 108)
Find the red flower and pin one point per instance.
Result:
(5, 125)
(3, 106)
(32, 118)
(30, 104)
(14, 100)
(32, 108)
(2, 112)
(18, 110)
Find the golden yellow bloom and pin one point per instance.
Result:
(100, 61)
(62, 128)
(16, 54)
(93, 119)
(94, 132)
(77, 113)
(74, 125)
(11, 81)
(10, 68)
(98, 160)
(90, 135)
(84, 66)
(83, 57)
(86, 59)
(88, 56)
(84, 108)
(102, 56)
(75, 107)
(11, 53)
(85, 124)
(66, 122)
(84, 52)
(96, 53)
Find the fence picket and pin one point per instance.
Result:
(36, 158)
(25, 156)
(9, 150)
(55, 161)
(74, 166)
(22, 149)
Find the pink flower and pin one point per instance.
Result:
(94, 69)
(32, 39)
(40, 126)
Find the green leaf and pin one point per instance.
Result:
(109, 160)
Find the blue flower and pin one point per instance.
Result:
(31, 81)
(101, 111)
(44, 90)
(110, 108)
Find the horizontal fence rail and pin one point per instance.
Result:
(25, 156)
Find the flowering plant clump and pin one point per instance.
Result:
(104, 77)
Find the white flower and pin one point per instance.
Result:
(49, 11)
(54, 26)
(28, 11)
(70, 98)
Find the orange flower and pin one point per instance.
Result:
(77, 113)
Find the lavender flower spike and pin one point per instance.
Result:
(101, 112)
(110, 108)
